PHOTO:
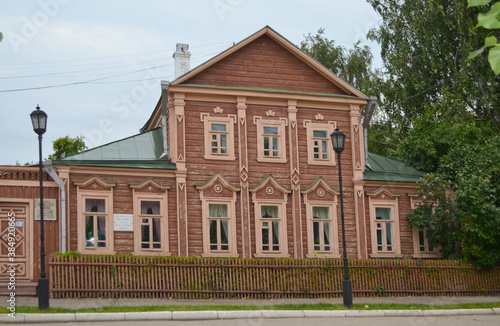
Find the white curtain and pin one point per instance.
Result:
(217, 210)
(95, 205)
(150, 207)
(269, 211)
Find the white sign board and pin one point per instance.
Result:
(49, 209)
(123, 222)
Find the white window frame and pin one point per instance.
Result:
(281, 135)
(208, 133)
(310, 128)
(283, 240)
(107, 196)
(391, 203)
(231, 218)
(334, 241)
(138, 216)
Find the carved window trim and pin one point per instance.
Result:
(310, 128)
(229, 122)
(281, 136)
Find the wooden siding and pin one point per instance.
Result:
(122, 204)
(265, 64)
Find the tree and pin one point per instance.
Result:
(425, 46)
(490, 21)
(462, 202)
(66, 146)
(355, 66)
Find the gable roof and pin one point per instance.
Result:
(139, 151)
(290, 47)
(381, 168)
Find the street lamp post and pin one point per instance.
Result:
(39, 121)
(338, 141)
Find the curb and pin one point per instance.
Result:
(234, 314)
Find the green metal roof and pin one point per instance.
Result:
(381, 168)
(139, 151)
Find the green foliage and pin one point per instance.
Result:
(429, 67)
(462, 202)
(490, 21)
(354, 65)
(67, 146)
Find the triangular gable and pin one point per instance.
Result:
(268, 33)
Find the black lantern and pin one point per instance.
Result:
(338, 142)
(39, 121)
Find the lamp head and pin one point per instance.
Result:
(338, 141)
(39, 121)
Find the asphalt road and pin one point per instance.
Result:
(484, 320)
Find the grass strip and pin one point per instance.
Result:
(316, 306)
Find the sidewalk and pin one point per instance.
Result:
(213, 314)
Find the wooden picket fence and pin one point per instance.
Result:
(126, 276)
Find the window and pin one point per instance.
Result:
(271, 142)
(150, 224)
(218, 222)
(150, 221)
(322, 231)
(319, 147)
(270, 227)
(421, 246)
(384, 226)
(321, 216)
(218, 213)
(270, 230)
(218, 133)
(95, 223)
(219, 227)
(384, 223)
(219, 137)
(95, 216)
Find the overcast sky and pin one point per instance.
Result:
(95, 67)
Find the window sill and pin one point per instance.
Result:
(276, 255)
(151, 253)
(427, 255)
(322, 163)
(220, 158)
(97, 252)
(384, 255)
(271, 160)
(318, 255)
(222, 254)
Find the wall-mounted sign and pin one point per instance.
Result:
(49, 209)
(123, 222)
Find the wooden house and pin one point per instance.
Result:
(235, 161)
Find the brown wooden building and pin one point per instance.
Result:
(235, 161)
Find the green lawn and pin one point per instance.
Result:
(317, 306)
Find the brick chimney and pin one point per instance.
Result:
(181, 57)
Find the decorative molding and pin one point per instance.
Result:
(217, 177)
(218, 110)
(180, 118)
(319, 116)
(383, 191)
(270, 113)
(96, 180)
(150, 183)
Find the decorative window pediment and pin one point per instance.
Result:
(217, 186)
(269, 188)
(320, 189)
(94, 182)
(383, 193)
(149, 185)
